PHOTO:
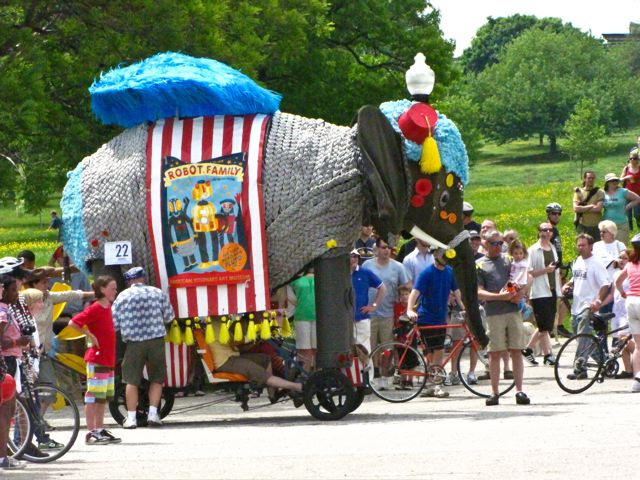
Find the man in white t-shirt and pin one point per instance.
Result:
(591, 285)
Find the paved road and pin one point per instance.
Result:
(591, 435)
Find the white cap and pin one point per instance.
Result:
(467, 207)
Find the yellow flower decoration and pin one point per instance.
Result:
(332, 243)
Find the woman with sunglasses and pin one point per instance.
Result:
(617, 202)
(630, 178)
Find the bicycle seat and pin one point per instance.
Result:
(600, 320)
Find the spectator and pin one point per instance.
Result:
(608, 249)
(590, 286)
(486, 226)
(617, 201)
(56, 222)
(96, 323)
(7, 410)
(433, 286)
(620, 320)
(630, 178)
(554, 213)
(545, 291)
(366, 240)
(588, 202)
(362, 280)
(29, 259)
(632, 296)
(418, 260)
(140, 313)
(467, 222)
(509, 236)
(392, 274)
(506, 332)
(474, 241)
(304, 300)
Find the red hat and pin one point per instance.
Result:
(418, 122)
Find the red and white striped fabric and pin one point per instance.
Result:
(178, 361)
(193, 140)
(354, 372)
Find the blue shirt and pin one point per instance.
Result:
(614, 206)
(362, 280)
(434, 286)
(140, 312)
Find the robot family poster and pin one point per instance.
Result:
(202, 213)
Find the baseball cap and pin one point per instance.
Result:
(474, 234)
(133, 273)
(467, 207)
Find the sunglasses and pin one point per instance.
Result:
(545, 230)
(555, 213)
(497, 243)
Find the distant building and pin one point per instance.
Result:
(618, 38)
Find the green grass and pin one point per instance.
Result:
(513, 183)
(28, 232)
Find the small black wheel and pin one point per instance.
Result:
(403, 372)
(611, 367)
(473, 368)
(118, 406)
(578, 363)
(360, 394)
(329, 395)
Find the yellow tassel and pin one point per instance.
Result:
(209, 334)
(237, 332)
(224, 332)
(430, 158)
(175, 336)
(265, 330)
(251, 329)
(286, 327)
(188, 334)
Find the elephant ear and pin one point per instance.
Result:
(384, 169)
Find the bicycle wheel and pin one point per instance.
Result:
(118, 406)
(20, 430)
(403, 372)
(578, 363)
(55, 420)
(473, 369)
(329, 395)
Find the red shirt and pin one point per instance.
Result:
(632, 184)
(100, 323)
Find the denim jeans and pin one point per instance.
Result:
(581, 324)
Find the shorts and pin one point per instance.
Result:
(506, 332)
(362, 334)
(137, 354)
(305, 335)
(100, 384)
(455, 333)
(252, 365)
(544, 311)
(7, 389)
(381, 330)
(47, 371)
(433, 338)
(633, 314)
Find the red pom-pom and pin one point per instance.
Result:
(95, 243)
(105, 233)
(424, 187)
(417, 201)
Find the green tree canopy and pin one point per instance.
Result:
(586, 140)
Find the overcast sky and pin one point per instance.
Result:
(460, 19)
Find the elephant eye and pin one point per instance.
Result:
(444, 198)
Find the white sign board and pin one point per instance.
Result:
(117, 253)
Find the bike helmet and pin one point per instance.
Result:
(9, 264)
(635, 241)
(553, 207)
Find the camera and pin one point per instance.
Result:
(27, 329)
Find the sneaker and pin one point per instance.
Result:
(199, 393)
(508, 375)
(549, 359)
(12, 464)
(527, 353)
(35, 452)
(578, 375)
(154, 420)
(635, 388)
(50, 445)
(440, 393)
(484, 376)
(130, 424)
(472, 379)
(452, 379)
(522, 399)
(95, 438)
(428, 392)
(624, 375)
(109, 436)
(492, 401)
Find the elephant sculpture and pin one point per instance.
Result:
(320, 182)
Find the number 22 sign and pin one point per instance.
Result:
(117, 253)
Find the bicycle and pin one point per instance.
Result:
(50, 411)
(582, 361)
(410, 371)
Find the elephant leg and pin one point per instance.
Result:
(334, 309)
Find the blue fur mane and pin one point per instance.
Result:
(172, 84)
(453, 153)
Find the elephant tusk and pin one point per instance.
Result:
(417, 232)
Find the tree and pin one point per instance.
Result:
(497, 33)
(539, 79)
(460, 107)
(586, 140)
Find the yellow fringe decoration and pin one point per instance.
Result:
(224, 332)
(188, 334)
(175, 336)
(237, 332)
(286, 327)
(251, 329)
(209, 334)
(430, 158)
(265, 330)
